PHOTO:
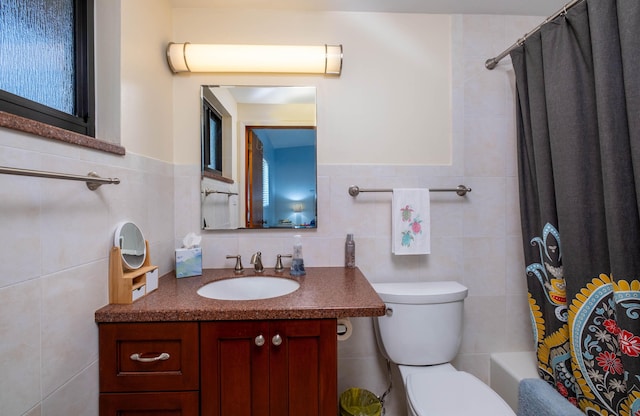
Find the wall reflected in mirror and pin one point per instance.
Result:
(258, 157)
(133, 249)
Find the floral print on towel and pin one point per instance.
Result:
(413, 225)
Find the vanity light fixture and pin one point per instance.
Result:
(190, 57)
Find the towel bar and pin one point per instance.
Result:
(208, 192)
(92, 179)
(461, 190)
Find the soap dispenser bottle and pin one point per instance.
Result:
(297, 263)
(350, 252)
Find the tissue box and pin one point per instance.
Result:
(188, 262)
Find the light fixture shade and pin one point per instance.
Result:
(188, 57)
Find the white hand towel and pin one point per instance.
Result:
(410, 222)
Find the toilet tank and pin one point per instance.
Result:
(423, 324)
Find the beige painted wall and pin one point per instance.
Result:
(395, 60)
(107, 70)
(145, 85)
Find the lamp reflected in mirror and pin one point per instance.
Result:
(298, 208)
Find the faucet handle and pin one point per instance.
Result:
(279, 267)
(256, 260)
(238, 269)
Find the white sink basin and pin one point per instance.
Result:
(248, 288)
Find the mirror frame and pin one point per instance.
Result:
(124, 229)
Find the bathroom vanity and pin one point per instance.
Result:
(175, 352)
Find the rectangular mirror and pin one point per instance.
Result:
(258, 157)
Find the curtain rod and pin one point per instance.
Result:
(492, 62)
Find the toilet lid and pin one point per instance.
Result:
(453, 394)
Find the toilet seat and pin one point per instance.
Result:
(452, 394)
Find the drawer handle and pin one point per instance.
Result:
(138, 357)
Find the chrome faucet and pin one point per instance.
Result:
(238, 269)
(279, 267)
(256, 260)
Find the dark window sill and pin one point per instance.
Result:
(216, 176)
(37, 128)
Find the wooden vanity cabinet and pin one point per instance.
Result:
(278, 368)
(219, 368)
(149, 369)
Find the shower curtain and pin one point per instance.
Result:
(578, 99)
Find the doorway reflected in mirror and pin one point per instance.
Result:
(281, 177)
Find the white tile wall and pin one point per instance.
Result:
(54, 266)
(69, 333)
(20, 349)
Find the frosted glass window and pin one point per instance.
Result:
(38, 52)
(46, 62)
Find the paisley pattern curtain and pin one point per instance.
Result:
(578, 86)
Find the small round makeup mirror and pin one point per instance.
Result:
(131, 242)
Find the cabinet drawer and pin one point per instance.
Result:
(149, 357)
(157, 404)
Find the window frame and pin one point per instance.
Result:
(209, 111)
(84, 122)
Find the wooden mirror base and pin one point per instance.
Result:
(125, 286)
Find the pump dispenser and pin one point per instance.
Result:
(350, 252)
(297, 263)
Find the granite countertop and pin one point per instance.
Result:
(325, 292)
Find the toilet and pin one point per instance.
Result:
(421, 333)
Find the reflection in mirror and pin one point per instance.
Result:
(258, 157)
(130, 240)
(280, 177)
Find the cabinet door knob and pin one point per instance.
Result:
(277, 340)
(259, 340)
(160, 357)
